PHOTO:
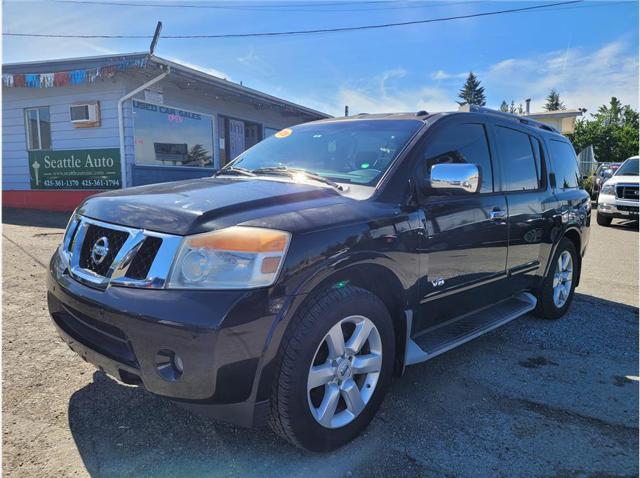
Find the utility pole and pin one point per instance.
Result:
(156, 37)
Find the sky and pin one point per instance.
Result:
(588, 52)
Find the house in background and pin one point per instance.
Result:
(562, 120)
(73, 127)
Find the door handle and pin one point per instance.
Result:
(498, 214)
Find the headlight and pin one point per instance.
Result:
(608, 189)
(234, 258)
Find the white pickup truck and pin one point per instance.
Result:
(619, 195)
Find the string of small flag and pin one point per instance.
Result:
(66, 78)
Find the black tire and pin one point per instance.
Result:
(603, 220)
(291, 417)
(546, 307)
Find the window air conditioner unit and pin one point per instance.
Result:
(84, 113)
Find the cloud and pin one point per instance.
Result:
(583, 79)
(383, 93)
(443, 75)
(255, 65)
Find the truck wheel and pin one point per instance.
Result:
(333, 369)
(603, 220)
(556, 293)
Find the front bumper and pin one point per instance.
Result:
(614, 207)
(129, 333)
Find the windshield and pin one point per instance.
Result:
(355, 151)
(628, 168)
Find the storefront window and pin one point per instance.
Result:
(171, 137)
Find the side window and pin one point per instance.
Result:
(519, 168)
(38, 128)
(565, 164)
(462, 143)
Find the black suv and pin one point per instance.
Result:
(292, 285)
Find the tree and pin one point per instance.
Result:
(520, 109)
(553, 102)
(512, 108)
(613, 132)
(472, 93)
(504, 107)
(198, 156)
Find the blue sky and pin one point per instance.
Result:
(588, 51)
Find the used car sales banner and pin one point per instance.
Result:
(75, 169)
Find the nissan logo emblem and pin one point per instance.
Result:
(100, 250)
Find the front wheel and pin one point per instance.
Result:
(557, 290)
(335, 365)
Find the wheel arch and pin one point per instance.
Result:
(385, 284)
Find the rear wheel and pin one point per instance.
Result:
(603, 220)
(556, 293)
(335, 366)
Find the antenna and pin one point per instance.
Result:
(156, 37)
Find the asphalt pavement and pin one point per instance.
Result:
(534, 398)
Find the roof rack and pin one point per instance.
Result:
(507, 116)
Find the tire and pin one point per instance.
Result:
(547, 306)
(603, 220)
(306, 344)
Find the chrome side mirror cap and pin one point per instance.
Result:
(455, 178)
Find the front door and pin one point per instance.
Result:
(463, 250)
(236, 138)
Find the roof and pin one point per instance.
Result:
(556, 114)
(47, 66)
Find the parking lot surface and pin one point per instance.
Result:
(534, 398)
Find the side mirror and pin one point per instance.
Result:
(455, 178)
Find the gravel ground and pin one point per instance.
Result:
(534, 398)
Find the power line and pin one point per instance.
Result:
(284, 7)
(305, 32)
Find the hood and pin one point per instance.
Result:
(198, 205)
(623, 179)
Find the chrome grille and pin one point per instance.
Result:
(101, 254)
(627, 191)
(114, 239)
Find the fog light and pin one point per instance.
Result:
(169, 365)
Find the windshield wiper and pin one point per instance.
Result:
(234, 170)
(284, 170)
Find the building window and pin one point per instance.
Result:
(166, 136)
(38, 128)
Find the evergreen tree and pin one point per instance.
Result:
(198, 155)
(520, 109)
(553, 102)
(504, 107)
(472, 93)
(613, 113)
(512, 108)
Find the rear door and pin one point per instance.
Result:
(524, 181)
(463, 251)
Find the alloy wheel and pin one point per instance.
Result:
(344, 371)
(562, 279)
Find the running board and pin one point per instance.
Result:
(455, 332)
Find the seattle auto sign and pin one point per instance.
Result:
(75, 169)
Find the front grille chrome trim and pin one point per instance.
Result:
(117, 273)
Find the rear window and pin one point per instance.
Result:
(519, 163)
(565, 164)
